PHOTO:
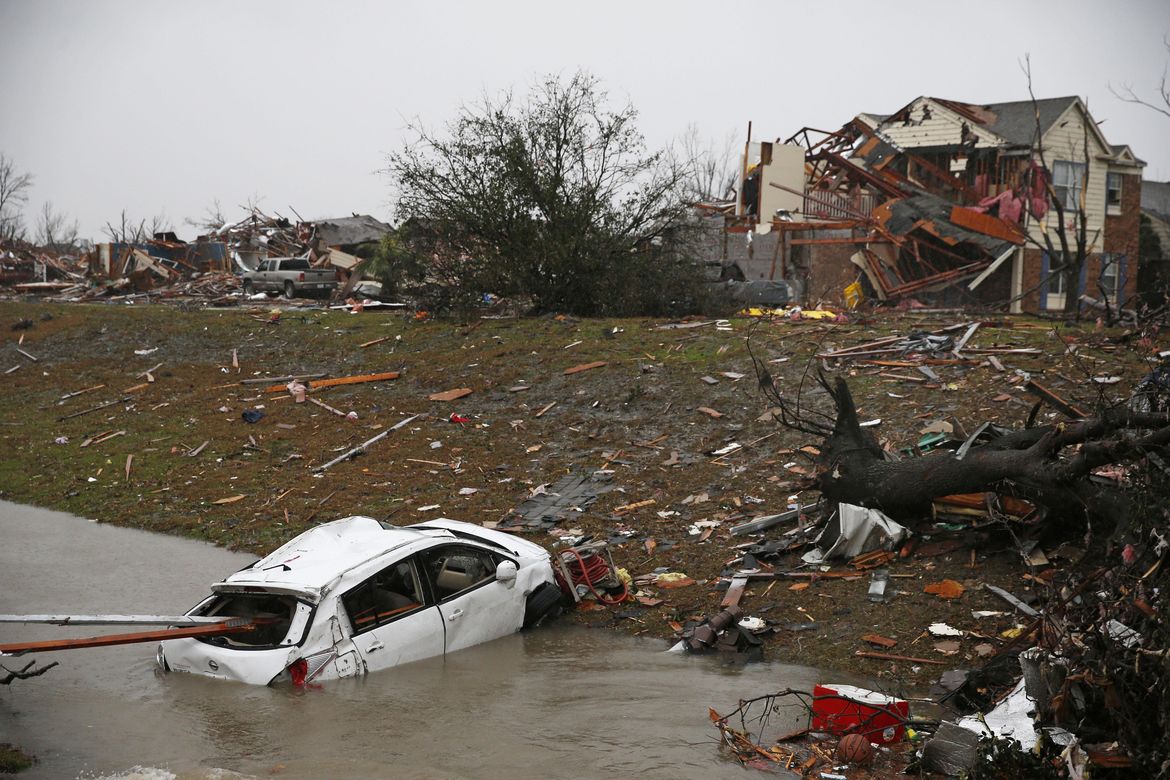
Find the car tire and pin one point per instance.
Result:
(543, 602)
(289, 290)
(249, 290)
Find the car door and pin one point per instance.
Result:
(393, 620)
(262, 275)
(476, 607)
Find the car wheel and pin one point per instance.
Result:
(248, 288)
(289, 290)
(543, 602)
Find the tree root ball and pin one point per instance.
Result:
(855, 749)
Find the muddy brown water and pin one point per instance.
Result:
(559, 701)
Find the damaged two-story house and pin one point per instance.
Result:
(951, 202)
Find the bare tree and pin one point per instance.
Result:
(14, 188)
(1162, 103)
(129, 231)
(1069, 220)
(55, 231)
(712, 167)
(212, 219)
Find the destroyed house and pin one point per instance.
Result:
(164, 256)
(979, 156)
(347, 233)
(943, 201)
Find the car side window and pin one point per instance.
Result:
(453, 569)
(390, 594)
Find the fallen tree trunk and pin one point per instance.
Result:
(1051, 464)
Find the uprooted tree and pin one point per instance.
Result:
(1051, 465)
(1102, 636)
(553, 197)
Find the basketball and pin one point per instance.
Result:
(855, 749)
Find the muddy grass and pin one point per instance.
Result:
(252, 486)
(13, 759)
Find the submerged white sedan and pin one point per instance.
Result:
(356, 595)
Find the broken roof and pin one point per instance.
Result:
(347, 231)
(1015, 121)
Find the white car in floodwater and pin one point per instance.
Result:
(357, 595)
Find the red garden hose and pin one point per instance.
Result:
(589, 569)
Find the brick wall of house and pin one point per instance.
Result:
(1030, 281)
(1122, 236)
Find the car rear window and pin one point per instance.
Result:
(294, 265)
(276, 613)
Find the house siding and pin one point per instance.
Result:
(944, 128)
(1065, 140)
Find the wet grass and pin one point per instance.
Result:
(252, 486)
(13, 759)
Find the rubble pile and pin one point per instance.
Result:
(165, 268)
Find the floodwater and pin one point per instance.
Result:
(560, 701)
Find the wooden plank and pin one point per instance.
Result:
(450, 395)
(79, 392)
(892, 657)
(216, 629)
(371, 343)
(1054, 400)
(286, 379)
(317, 384)
(92, 409)
(114, 620)
(966, 337)
(103, 437)
(734, 592)
(585, 367)
(327, 407)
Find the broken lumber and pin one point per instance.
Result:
(317, 384)
(361, 448)
(1015, 602)
(760, 523)
(93, 408)
(235, 625)
(585, 367)
(327, 407)
(734, 592)
(290, 378)
(79, 392)
(1054, 400)
(450, 395)
(892, 657)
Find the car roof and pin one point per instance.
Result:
(322, 554)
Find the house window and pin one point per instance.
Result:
(1110, 277)
(1067, 179)
(1056, 277)
(1113, 193)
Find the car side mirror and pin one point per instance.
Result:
(506, 572)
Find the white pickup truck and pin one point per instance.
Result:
(291, 276)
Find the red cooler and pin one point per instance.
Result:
(842, 709)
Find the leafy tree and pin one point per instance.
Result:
(552, 196)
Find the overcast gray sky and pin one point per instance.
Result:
(159, 106)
